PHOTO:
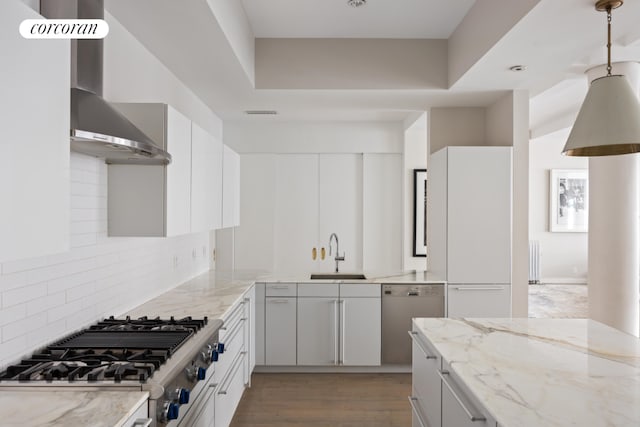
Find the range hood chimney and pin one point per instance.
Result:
(97, 128)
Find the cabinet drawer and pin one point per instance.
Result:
(425, 379)
(459, 407)
(281, 289)
(359, 290)
(328, 290)
(233, 345)
(229, 393)
(478, 300)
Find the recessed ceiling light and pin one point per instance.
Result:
(356, 3)
(261, 112)
(518, 68)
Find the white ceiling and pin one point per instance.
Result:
(557, 41)
(404, 19)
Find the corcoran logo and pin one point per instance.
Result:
(64, 28)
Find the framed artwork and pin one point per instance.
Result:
(420, 212)
(568, 207)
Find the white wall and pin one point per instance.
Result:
(457, 126)
(563, 256)
(415, 157)
(133, 74)
(45, 298)
(314, 137)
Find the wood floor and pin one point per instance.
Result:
(327, 400)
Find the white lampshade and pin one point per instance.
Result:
(608, 122)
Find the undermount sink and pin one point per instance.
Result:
(337, 276)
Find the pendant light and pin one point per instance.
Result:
(609, 120)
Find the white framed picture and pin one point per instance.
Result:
(569, 204)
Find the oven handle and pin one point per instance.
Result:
(142, 422)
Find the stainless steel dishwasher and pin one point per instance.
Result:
(401, 303)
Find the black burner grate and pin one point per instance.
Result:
(160, 340)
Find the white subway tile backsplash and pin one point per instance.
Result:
(23, 294)
(83, 240)
(13, 314)
(44, 298)
(45, 303)
(23, 326)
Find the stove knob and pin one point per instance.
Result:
(183, 396)
(207, 354)
(215, 355)
(220, 347)
(170, 411)
(202, 373)
(192, 372)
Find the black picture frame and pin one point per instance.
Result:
(419, 212)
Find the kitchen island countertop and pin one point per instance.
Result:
(21, 407)
(543, 372)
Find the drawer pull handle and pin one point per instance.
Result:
(414, 337)
(142, 422)
(477, 288)
(414, 405)
(279, 287)
(472, 417)
(278, 301)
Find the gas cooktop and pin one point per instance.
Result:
(110, 350)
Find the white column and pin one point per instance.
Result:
(614, 264)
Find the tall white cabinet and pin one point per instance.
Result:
(291, 203)
(469, 220)
(34, 149)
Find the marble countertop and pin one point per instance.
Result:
(68, 408)
(213, 293)
(544, 372)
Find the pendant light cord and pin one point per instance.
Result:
(608, 40)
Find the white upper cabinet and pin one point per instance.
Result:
(470, 214)
(381, 219)
(231, 189)
(340, 210)
(182, 197)
(34, 150)
(254, 238)
(153, 200)
(296, 212)
(206, 180)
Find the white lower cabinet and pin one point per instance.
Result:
(318, 324)
(360, 330)
(229, 392)
(439, 398)
(426, 398)
(478, 300)
(280, 331)
(459, 408)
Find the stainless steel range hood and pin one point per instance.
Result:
(97, 128)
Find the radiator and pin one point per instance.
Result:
(534, 262)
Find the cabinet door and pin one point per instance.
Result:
(206, 181)
(340, 209)
(478, 300)
(425, 381)
(229, 393)
(231, 189)
(381, 222)
(280, 331)
(34, 149)
(178, 174)
(479, 215)
(360, 331)
(318, 332)
(437, 214)
(254, 238)
(296, 212)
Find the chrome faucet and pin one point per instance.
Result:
(338, 258)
